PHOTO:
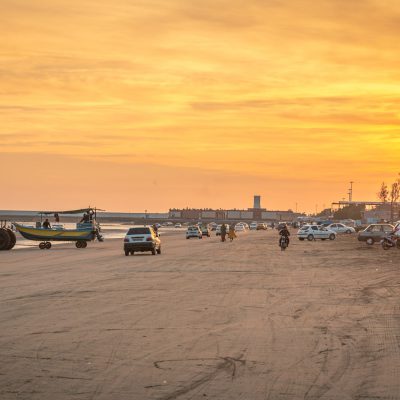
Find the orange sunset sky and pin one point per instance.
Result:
(151, 104)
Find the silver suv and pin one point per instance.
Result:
(142, 239)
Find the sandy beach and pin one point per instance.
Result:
(203, 320)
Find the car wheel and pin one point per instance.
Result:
(153, 251)
(127, 252)
(370, 241)
(48, 245)
(332, 236)
(348, 231)
(310, 238)
(42, 245)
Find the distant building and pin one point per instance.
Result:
(257, 202)
(380, 213)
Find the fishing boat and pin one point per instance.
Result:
(88, 229)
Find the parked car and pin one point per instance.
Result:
(205, 230)
(375, 233)
(142, 239)
(178, 225)
(313, 232)
(213, 226)
(193, 231)
(240, 228)
(253, 226)
(262, 227)
(341, 228)
(218, 230)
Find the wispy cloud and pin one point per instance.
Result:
(256, 88)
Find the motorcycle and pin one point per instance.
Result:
(390, 241)
(283, 242)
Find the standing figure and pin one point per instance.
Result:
(57, 218)
(231, 233)
(155, 229)
(223, 232)
(85, 218)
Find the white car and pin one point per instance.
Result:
(313, 232)
(218, 230)
(194, 231)
(142, 239)
(341, 228)
(240, 228)
(178, 225)
(253, 226)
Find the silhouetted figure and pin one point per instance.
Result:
(223, 232)
(231, 233)
(46, 224)
(85, 219)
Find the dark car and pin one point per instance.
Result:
(375, 233)
(142, 239)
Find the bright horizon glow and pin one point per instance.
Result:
(139, 104)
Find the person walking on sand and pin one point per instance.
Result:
(231, 233)
(223, 232)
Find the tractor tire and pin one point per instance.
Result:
(4, 239)
(13, 239)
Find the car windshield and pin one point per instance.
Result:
(139, 231)
(304, 228)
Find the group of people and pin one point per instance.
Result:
(283, 233)
(231, 233)
(87, 218)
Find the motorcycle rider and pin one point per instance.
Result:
(284, 232)
(394, 236)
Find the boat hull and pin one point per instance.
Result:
(49, 235)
